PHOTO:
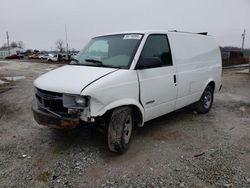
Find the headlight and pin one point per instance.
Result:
(81, 101)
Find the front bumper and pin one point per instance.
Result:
(52, 121)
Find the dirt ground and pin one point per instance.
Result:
(181, 149)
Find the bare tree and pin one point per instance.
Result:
(13, 44)
(20, 44)
(60, 45)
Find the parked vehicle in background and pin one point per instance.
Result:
(65, 57)
(45, 56)
(15, 56)
(72, 56)
(27, 52)
(123, 80)
(33, 56)
(53, 57)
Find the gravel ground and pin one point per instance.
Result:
(181, 149)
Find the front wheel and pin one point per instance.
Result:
(206, 101)
(120, 129)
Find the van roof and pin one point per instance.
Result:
(154, 31)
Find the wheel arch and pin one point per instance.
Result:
(138, 110)
(211, 83)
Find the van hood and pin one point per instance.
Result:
(71, 78)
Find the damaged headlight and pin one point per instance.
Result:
(75, 101)
(81, 101)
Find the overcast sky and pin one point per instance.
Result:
(39, 23)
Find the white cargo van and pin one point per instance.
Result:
(123, 80)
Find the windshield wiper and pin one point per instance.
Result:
(97, 62)
(94, 61)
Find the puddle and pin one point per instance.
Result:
(14, 78)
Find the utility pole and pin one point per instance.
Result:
(66, 37)
(8, 42)
(243, 38)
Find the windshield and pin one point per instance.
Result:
(116, 51)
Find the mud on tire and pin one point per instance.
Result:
(120, 129)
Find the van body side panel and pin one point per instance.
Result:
(198, 61)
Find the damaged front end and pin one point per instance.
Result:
(57, 110)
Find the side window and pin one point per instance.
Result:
(157, 47)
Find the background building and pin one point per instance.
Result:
(4, 52)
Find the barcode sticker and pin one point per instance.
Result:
(135, 37)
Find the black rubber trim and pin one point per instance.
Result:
(139, 85)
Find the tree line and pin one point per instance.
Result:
(19, 44)
(59, 45)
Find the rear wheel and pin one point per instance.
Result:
(206, 101)
(120, 129)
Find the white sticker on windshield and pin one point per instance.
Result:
(132, 36)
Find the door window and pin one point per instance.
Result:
(157, 47)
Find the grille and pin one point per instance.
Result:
(50, 100)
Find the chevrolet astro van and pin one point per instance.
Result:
(122, 80)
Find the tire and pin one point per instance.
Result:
(120, 129)
(205, 103)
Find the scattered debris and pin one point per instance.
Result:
(78, 167)
(177, 169)
(200, 154)
(54, 177)
(24, 156)
(228, 185)
(66, 183)
(182, 184)
(231, 128)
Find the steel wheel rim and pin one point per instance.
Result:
(127, 129)
(207, 99)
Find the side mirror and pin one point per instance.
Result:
(145, 63)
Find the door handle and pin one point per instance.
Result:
(175, 80)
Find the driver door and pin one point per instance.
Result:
(158, 86)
